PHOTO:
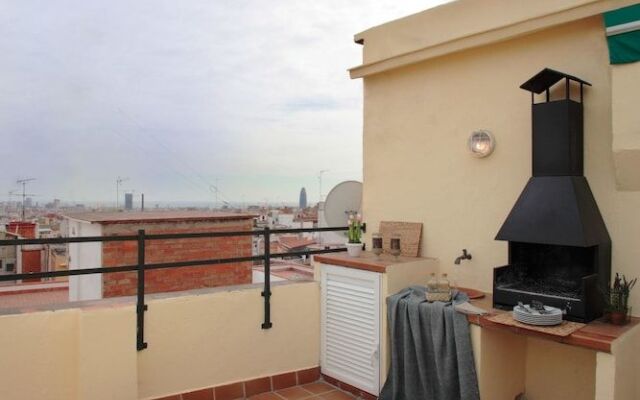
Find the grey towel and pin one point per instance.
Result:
(431, 353)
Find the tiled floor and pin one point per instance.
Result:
(315, 391)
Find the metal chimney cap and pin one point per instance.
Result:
(546, 78)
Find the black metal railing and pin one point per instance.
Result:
(141, 266)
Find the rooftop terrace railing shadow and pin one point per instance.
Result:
(142, 266)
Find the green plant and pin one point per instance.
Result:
(617, 296)
(355, 228)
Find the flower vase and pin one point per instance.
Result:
(354, 249)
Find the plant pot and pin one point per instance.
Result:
(354, 249)
(618, 317)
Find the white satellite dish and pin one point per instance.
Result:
(344, 198)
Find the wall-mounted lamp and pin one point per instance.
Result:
(481, 143)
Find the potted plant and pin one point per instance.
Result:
(617, 299)
(354, 245)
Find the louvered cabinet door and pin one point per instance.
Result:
(351, 326)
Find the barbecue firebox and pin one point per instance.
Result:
(559, 247)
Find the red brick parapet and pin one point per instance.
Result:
(174, 250)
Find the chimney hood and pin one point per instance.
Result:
(557, 206)
(558, 210)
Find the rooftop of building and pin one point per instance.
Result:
(122, 217)
(295, 242)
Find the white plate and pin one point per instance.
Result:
(533, 321)
(541, 323)
(535, 318)
(553, 311)
(538, 321)
(538, 316)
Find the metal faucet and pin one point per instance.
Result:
(464, 256)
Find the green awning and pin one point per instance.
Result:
(623, 34)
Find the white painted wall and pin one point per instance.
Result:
(258, 277)
(84, 255)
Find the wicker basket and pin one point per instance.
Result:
(439, 296)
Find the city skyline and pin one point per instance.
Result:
(249, 97)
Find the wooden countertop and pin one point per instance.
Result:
(596, 335)
(367, 260)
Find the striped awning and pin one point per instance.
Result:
(623, 34)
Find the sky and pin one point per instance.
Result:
(178, 97)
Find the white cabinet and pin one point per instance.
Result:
(350, 332)
(355, 343)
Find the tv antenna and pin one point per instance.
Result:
(119, 181)
(216, 191)
(24, 195)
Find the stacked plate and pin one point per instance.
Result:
(531, 316)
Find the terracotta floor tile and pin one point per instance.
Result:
(204, 394)
(308, 375)
(318, 387)
(336, 396)
(230, 392)
(294, 393)
(257, 386)
(266, 396)
(284, 380)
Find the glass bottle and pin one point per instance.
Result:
(432, 284)
(394, 245)
(376, 244)
(443, 284)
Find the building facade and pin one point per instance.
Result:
(111, 254)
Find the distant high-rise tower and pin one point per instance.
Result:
(303, 199)
(128, 201)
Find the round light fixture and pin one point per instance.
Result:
(481, 143)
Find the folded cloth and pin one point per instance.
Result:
(468, 308)
(431, 353)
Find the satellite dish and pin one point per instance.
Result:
(344, 198)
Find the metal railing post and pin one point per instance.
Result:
(140, 306)
(266, 293)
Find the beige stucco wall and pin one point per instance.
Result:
(500, 363)
(106, 354)
(417, 167)
(195, 341)
(202, 341)
(625, 364)
(558, 371)
(38, 356)
(508, 364)
(625, 81)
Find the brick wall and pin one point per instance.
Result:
(158, 251)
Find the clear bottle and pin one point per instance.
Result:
(432, 284)
(443, 284)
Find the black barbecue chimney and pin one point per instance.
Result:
(559, 246)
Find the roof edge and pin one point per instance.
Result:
(482, 37)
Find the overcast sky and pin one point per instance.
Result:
(179, 95)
